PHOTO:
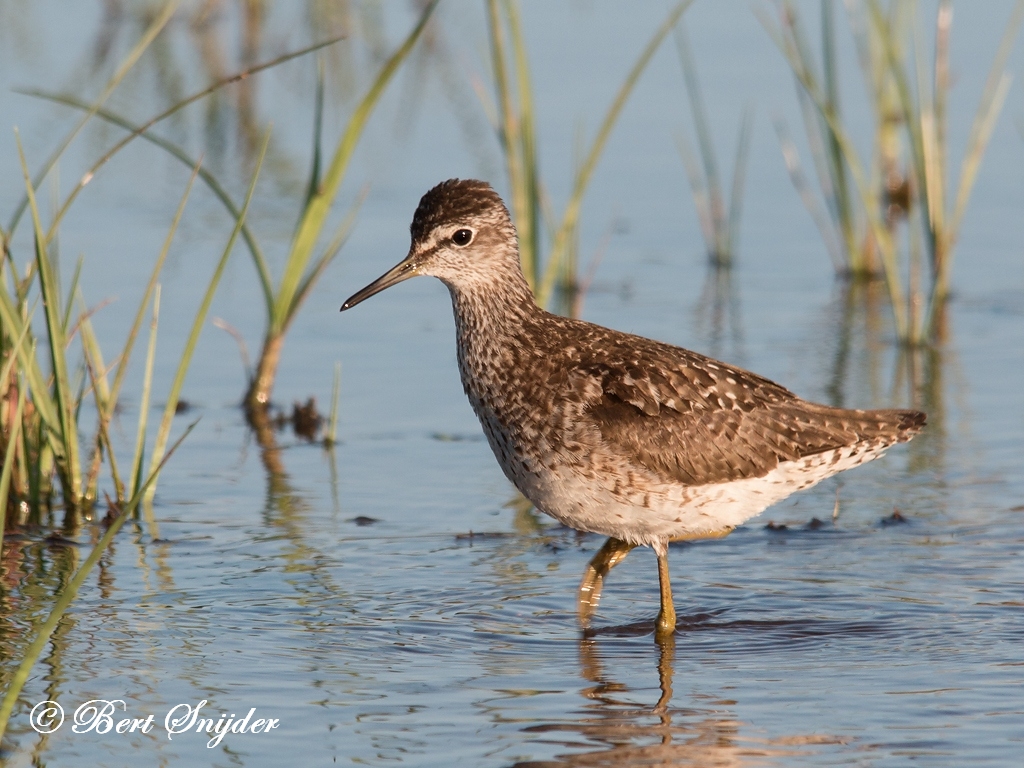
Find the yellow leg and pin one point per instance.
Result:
(608, 556)
(666, 624)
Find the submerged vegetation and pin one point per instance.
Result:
(894, 217)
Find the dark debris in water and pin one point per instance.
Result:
(56, 540)
(452, 437)
(183, 540)
(894, 519)
(305, 419)
(482, 535)
(362, 520)
(814, 524)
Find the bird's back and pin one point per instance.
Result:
(690, 418)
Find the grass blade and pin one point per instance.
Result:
(218, 190)
(133, 56)
(712, 181)
(333, 249)
(699, 190)
(878, 230)
(739, 175)
(295, 280)
(69, 303)
(97, 378)
(791, 157)
(197, 327)
(70, 591)
(16, 327)
(332, 422)
(69, 468)
(508, 136)
(318, 127)
(10, 452)
(570, 218)
(529, 191)
(147, 386)
(87, 177)
(316, 211)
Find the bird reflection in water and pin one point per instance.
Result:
(624, 732)
(613, 728)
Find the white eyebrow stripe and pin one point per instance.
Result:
(430, 243)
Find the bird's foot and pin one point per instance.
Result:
(665, 626)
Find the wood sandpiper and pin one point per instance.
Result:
(640, 441)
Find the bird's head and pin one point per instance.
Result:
(462, 234)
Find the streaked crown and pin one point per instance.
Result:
(459, 201)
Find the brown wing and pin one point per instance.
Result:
(697, 421)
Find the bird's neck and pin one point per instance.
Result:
(490, 319)
(492, 307)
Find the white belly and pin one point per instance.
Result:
(638, 508)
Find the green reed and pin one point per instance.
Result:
(719, 220)
(513, 117)
(41, 437)
(301, 271)
(53, 401)
(300, 275)
(924, 112)
(45, 445)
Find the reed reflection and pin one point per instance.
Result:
(868, 368)
(717, 319)
(286, 508)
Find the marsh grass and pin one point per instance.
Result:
(62, 399)
(907, 175)
(719, 218)
(331, 437)
(299, 274)
(844, 227)
(48, 441)
(44, 455)
(44, 386)
(284, 297)
(924, 111)
(512, 114)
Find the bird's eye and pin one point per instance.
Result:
(462, 236)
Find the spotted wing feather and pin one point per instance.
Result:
(697, 421)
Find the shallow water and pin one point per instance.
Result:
(390, 602)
